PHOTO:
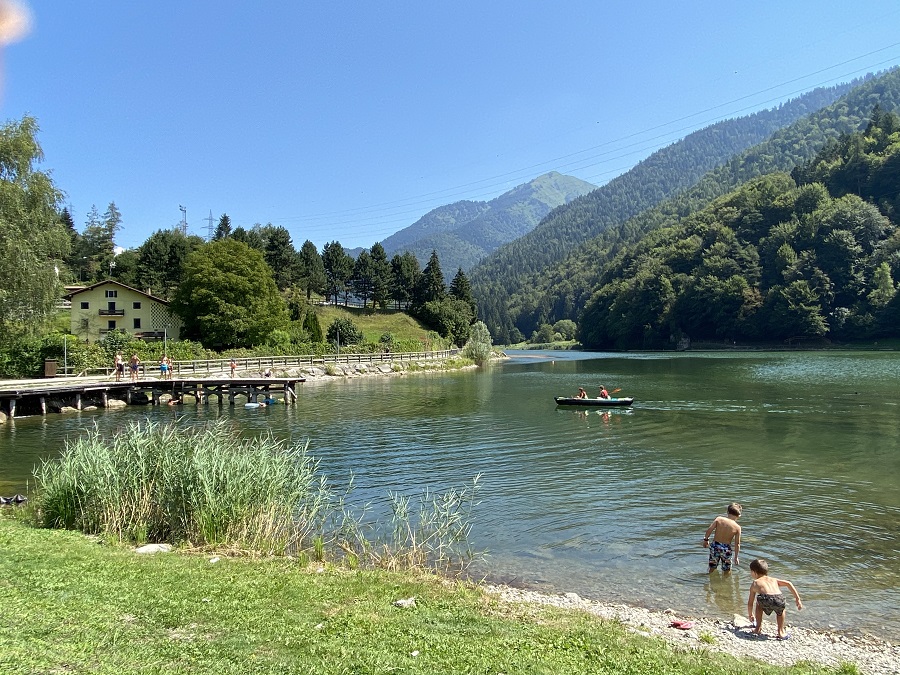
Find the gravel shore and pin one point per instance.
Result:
(871, 655)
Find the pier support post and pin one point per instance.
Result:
(78, 400)
(12, 408)
(43, 405)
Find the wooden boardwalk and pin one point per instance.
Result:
(201, 389)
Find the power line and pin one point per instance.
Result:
(390, 208)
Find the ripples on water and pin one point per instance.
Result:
(613, 504)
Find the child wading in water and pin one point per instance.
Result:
(766, 591)
(727, 539)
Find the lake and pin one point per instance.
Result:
(612, 504)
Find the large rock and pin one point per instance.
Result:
(154, 548)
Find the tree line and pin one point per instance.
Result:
(786, 257)
(507, 284)
(561, 290)
(245, 287)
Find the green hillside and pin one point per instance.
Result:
(375, 324)
(782, 258)
(561, 290)
(523, 262)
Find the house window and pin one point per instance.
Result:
(112, 294)
(110, 325)
(135, 305)
(85, 305)
(137, 322)
(111, 306)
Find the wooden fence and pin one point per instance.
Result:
(261, 363)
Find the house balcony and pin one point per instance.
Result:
(112, 312)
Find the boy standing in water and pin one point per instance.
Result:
(765, 590)
(727, 539)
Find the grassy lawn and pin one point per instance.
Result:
(374, 324)
(74, 605)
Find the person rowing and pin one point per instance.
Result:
(603, 392)
(581, 393)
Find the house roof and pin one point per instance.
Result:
(110, 282)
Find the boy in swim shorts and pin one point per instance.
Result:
(766, 591)
(727, 539)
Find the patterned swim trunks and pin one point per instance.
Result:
(771, 602)
(720, 553)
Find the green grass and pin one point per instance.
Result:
(73, 605)
(375, 324)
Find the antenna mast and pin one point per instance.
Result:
(183, 224)
(210, 230)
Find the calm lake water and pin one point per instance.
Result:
(613, 504)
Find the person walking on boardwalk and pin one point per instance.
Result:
(119, 366)
(233, 365)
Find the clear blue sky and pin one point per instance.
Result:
(348, 121)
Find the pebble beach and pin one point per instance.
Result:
(871, 655)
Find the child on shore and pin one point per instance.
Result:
(765, 590)
(727, 539)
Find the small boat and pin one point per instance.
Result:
(574, 400)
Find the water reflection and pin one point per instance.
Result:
(611, 503)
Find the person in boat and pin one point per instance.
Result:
(581, 393)
(603, 392)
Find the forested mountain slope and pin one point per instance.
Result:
(782, 258)
(464, 232)
(650, 182)
(561, 290)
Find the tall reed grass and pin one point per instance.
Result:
(200, 487)
(207, 487)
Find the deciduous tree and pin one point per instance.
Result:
(228, 297)
(33, 240)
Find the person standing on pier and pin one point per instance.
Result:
(135, 362)
(119, 366)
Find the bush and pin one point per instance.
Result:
(344, 332)
(478, 348)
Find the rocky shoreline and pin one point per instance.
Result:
(871, 655)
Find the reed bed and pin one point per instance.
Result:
(202, 487)
(207, 487)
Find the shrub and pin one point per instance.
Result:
(344, 332)
(478, 348)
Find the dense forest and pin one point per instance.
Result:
(812, 254)
(561, 290)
